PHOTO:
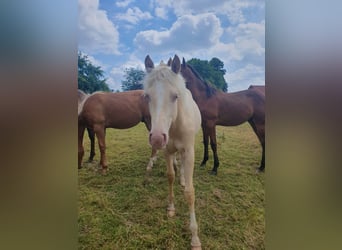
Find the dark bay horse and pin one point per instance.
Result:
(103, 110)
(226, 109)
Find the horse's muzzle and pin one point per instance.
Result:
(158, 140)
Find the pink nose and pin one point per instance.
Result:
(158, 140)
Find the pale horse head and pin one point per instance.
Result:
(163, 86)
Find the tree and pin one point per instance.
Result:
(134, 78)
(217, 65)
(90, 77)
(212, 71)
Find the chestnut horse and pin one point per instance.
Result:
(175, 120)
(226, 109)
(103, 110)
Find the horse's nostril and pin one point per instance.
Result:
(164, 137)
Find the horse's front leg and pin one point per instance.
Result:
(181, 172)
(187, 158)
(152, 160)
(171, 178)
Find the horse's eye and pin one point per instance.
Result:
(147, 97)
(174, 97)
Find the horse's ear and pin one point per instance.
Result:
(183, 63)
(169, 62)
(175, 64)
(148, 64)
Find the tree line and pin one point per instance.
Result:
(91, 78)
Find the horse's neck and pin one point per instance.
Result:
(198, 92)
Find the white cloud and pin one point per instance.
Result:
(233, 9)
(97, 34)
(116, 74)
(189, 32)
(134, 15)
(249, 39)
(113, 84)
(243, 77)
(228, 51)
(249, 31)
(161, 13)
(124, 3)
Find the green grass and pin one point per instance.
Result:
(122, 211)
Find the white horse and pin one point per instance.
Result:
(175, 120)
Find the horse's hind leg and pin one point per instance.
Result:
(91, 136)
(262, 165)
(100, 134)
(81, 129)
(261, 136)
(259, 129)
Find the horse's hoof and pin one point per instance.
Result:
(103, 171)
(212, 172)
(202, 166)
(147, 181)
(171, 213)
(79, 167)
(196, 248)
(258, 171)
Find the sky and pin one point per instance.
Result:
(116, 35)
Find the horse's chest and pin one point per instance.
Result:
(176, 137)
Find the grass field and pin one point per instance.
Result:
(122, 211)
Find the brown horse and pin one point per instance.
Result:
(226, 109)
(110, 110)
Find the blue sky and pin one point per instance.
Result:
(119, 34)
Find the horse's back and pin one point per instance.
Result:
(117, 110)
(258, 88)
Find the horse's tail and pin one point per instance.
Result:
(84, 97)
(81, 101)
